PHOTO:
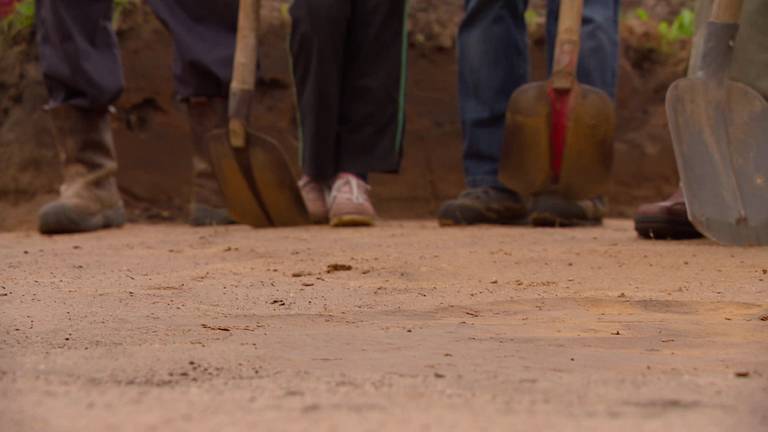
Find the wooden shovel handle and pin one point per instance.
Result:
(246, 50)
(567, 45)
(727, 11)
(243, 83)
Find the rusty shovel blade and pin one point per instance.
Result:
(527, 152)
(237, 187)
(275, 182)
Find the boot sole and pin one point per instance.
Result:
(65, 222)
(551, 220)
(351, 221)
(474, 215)
(666, 229)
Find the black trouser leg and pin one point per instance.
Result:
(371, 119)
(204, 43)
(348, 65)
(318, 39)
(78, 52)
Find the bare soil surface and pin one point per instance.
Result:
(401, 327)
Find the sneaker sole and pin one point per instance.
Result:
(351, 221)
(551, 220)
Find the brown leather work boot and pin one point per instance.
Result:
(89, 199)
(665, 220)
(208, 206)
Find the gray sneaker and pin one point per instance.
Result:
(349, 202)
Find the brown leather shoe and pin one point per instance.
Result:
(665, 220)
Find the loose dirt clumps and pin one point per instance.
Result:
(166, 327)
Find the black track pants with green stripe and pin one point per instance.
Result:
(349, 63)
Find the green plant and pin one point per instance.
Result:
(641, 14)
(23, 18)
(682, 27)
(532, 19)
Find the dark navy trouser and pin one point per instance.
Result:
(80, 60)
(493, 62)
(349, 62)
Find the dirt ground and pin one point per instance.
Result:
(401, 327)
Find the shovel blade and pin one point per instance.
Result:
(238, 192)
(720, 135)
(525, 164)
(275, 181)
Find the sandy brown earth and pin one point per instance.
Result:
(401, 327)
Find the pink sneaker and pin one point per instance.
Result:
(349, 202)
(315, 198)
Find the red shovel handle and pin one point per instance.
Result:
(567, 45)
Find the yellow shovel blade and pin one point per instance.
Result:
(275, 181)
(238, 193)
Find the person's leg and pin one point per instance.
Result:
(78, 52)
(493, 63)
(318, 41)
(372, 110)
(204, 43)
(82, 71)
(371, 119)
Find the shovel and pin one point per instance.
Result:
(253, 172)
(720, 133)
(559, 134)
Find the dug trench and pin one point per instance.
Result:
(153, 141)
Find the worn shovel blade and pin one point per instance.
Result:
(720, 135)
(238, 190)
(276, 184)
(587, 159)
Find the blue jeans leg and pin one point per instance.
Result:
(599, 57)
(493, 62)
